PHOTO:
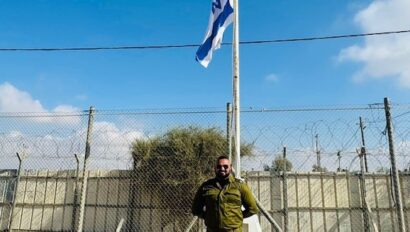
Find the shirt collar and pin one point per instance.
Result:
(231, 178)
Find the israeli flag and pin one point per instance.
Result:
(221, 17)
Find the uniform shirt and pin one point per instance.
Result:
(220, 204)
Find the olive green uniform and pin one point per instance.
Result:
(219, 204)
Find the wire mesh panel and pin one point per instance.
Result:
(38, 163)
(166, 155)
(317, 139)
(99, 170)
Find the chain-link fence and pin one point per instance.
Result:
(137, 170)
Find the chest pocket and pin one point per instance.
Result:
(211, 195)
(233, 196)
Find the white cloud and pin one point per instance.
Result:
(16, 100)
(52, 143)
(111, 141)
(110, 147)
(65, 109)
(272, 78)
(385, 56)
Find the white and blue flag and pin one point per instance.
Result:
(221, 17)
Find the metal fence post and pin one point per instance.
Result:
(84, 182)
(13, 206)
(363, 191)
(228, 128)
(75, 201)
(363, 144)
(285, 193)
(318, 158)
(133, 203)
(395, 173)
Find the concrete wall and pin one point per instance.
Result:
(329, 202)
(315, 202)
(45, 201)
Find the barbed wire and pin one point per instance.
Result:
(268, 130)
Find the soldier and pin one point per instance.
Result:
(219, 200)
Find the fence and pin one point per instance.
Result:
(146, 164)
(330, 201)
(316, 201)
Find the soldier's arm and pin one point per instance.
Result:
(248, 201)
(198, 204)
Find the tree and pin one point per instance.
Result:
(176, 163)
(383, 170)
(316, 168)
(279, 164)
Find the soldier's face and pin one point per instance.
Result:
(223, 168)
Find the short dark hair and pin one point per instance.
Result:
(222, 157)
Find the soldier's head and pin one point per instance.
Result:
(223, 167)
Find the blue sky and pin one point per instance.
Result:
(327, 72)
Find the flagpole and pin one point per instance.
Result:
(235, 58)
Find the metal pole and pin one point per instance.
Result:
(191, 224)
(119, 227)
(133, 204)
(228, 128)
(13, 206)
(363, 192)
(268, 216)
(84, 182)
(339, 158)
(367, 213)
(363, 145)
(395, 173)
(285, 193)
(236, 95)
(319, 167)
(75, 201)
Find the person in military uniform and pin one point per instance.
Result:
(219, 200)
